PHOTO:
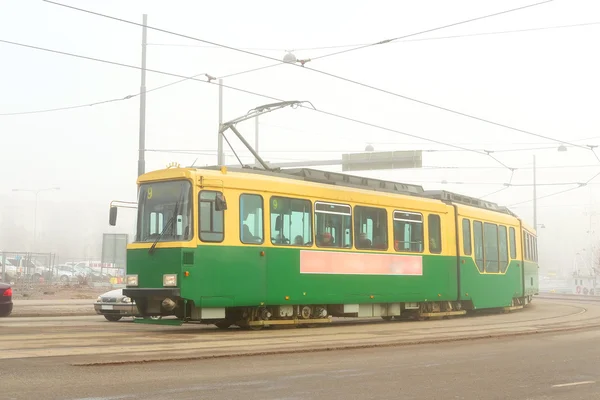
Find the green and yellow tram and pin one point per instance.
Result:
(252, 248)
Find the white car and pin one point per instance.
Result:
(114, 305)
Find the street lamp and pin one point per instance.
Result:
(289, 58)
(37, 192)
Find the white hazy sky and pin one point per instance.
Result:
(543, 81)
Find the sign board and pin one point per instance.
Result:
(382, 160)
(114, 249)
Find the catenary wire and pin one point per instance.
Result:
(397, 42)
(210, 81)
(340, 77)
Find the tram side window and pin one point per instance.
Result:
(513, 245)
(370, 228)
(251, 219)
(466, 234)
(333, 225)
(535, 249)
(478, 242)
(490, 248)
(291, 222)
(435, 233)
(211, 221)
(526, 244)
(503, 248)
(408, 232)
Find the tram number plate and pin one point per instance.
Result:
(106, 307)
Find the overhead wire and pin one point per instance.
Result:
(128, 97)
(457, 167)
(546, 196)
(211, 81)
(435, 29)
(273, 98)
(512, 174)
(396, 42)
(382, 90)
(579, 185)
(345, 51)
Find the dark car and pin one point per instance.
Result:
(6, 304)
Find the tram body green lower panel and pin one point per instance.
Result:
(489, 290)
(219, 276)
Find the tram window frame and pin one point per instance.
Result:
(216, 236)
(156, 222)
(432, 229)
(345, 224)
(492, 245)
(527, 245)
(402, 220)
(478, 245)
(382, 230)
(513, 243)
(306, 217)
(260, 227)
(466, 237)
(503, 248)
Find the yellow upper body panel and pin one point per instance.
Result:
(239, 182)
(215, 179)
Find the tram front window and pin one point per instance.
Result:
(165, 212)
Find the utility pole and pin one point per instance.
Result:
(590, 233)
(220, 156)
(142, 143)
(534, 196)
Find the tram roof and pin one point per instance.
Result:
(378, 185)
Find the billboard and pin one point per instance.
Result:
(382, 160)
(114, 249)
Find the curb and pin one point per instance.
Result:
(56, 314)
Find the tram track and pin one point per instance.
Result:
(90, 341)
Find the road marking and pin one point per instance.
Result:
(573, 384)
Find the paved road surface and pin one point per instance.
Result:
(95, 340)
(37, 308)
(540, 367)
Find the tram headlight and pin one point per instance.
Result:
(132, 280)
(170, 280)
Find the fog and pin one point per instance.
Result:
(542, 81)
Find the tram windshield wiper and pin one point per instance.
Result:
(169, 222)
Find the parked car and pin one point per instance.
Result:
(114, 305)
(65, 273)
(6, 304)
(87, 273)
(9, 269)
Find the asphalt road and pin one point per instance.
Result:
(84, 340)
(544, 366)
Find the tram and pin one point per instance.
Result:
(253, 248)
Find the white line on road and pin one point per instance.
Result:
(573, 384)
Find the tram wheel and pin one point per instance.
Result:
(223, 324)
